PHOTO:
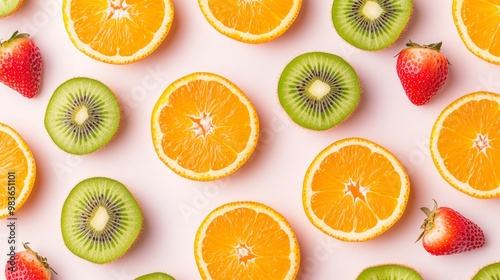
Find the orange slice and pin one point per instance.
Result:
(117, 31)
(465, 144)
(251, 21)
(355, 190)
(477, 23)
(204, 127)
(246, 241)
(17, 171)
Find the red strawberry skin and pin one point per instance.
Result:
(21, 64)
(422, 70)
(448, 232)
(28, 265)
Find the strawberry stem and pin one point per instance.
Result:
(429, 221)
(435, 46)
(14, 36)
(40, 258)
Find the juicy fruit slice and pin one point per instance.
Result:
(117, 31)
(318, 90)
(355, 190)
(9, 7)
(246, 240)
(28, 265)
(204, 127)
(389, 272)
(100, 220)
(82, 116)
(18, 170)
(465, 144)
(251, 21)
(489, 272)
(477, 23)
(155, 276)
(371, 24)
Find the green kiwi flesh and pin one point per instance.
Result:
(318, 90)
(155, 276)
(100, 220)
(82, 116)
(371, 24)
(7, 7)
(389, 272)
(489, 272)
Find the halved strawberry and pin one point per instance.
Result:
(27, 265)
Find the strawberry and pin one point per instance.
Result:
(422, 71)
(448, 232)
(27, 265)
(21, 64)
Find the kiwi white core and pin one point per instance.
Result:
(372, 10)
(100, 219)
(319, 89)
(82, 115)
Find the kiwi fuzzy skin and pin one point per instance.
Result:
(388, 46)
(395, 264)
(13, 11)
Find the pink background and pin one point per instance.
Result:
(174, 207)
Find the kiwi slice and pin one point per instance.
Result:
(389, 272)
(82, 116)
(155, 276)
(489, 272)
(371, 24)
(8, 7)
(318, 90)
(100, 220)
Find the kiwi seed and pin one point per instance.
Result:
(489, 272)
(318, 90)
(155, 276)
(389, 272)
(100, 220)
(371, 24)
(82, 116)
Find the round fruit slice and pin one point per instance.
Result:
(117, 31)
(318, 90)
(251, 21)
(155, 276)
(465, 144)
(82, 116)
(477, 23)
(371, 24)
(355, 190)
(246, 240)
(489, 272)
(389, 271)
(204, 127)
(8, 7)
(17, 170)
(100, 220)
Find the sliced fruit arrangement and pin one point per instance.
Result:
(82, 116)
(477, 23)
(355, 190)
(251, 21)
(465, 144)
(100, 220)
(318, 90)
(28, 265)
(9, 7)
(117, 31)
(422, 70)
(246, 240)
(155, 276)
(371, 24)
(389, 272)
(17, 170)
(21, 64)
(204, 127)
(447, 232)
(489, 272)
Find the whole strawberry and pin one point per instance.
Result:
(27, 265)
(21, 64)
(422, 71)
(448, 232)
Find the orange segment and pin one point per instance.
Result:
(465, 144)
(17, 171)
(246, 240)
(477, 23)
(251, 21)
(355, 190)
(204, 127)
(117, 31)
